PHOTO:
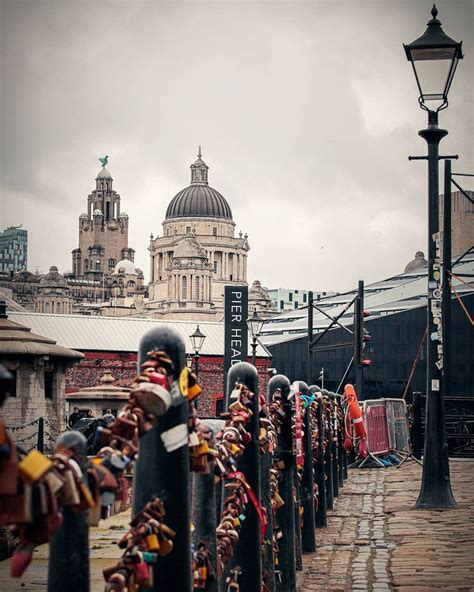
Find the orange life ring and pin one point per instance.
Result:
(354, 412)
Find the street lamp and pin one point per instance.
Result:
(434, 57)
(255, 324)
(197, 340)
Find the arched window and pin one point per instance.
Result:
(112, 263)
(58, 307)
(86, 264)
(184, 288)
(46, 307)
(198, 291)
(130, 284)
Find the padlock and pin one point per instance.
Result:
(152, 542)
(54, 481)
(152, 398)
(9, 469)
(124, 426)
(166, 546)
(34, 466)
(69, 493)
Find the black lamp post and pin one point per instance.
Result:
(197, 341)
(255, 324)
(434, 57)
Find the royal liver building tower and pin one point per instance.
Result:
(103, 232)
(198, 253)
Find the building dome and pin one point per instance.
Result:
(417, 263)
(125, 266)
(189, 248)
(104, 174)
(83, 216)
(199, 200)
(53, 279)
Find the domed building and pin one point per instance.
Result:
(198, 253)
(53, 294)
(126, 280)
(417, 263)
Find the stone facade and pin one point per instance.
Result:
(198, 253)
(103, 232)
(53, 294)
(37, 384)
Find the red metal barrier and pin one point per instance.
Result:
(376, 424)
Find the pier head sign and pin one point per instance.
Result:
(236, 311)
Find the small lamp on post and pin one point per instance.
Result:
(434, 57)
(255, 324)
(197, 341)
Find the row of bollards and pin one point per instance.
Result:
(222, 504)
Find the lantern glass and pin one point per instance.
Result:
(434, 57)
(255, 324)
(197, 339)
(434, 70)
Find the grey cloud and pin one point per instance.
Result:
(306, 112)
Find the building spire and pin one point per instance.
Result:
(199, 170)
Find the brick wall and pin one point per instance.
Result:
(123, 368)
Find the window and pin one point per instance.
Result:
(198, 293)
(184, 288)
(188, 229)
(46, 307)
(304, 297)
(290, 296)
(215, 266)
(8, 387)
(214, 231)
(112, 263)
(86, 264)
(58, 307)
(48, 384)
(296, 304)
(282, 305)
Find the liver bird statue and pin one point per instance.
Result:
(104, 161)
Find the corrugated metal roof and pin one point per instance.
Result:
(85, 333)
(396, 294)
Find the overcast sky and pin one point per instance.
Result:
(306, 113)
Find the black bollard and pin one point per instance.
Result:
(40, 435)
(328, 454)
(68, 567)
(341, 451)
(334, 446)
(166, 474)
(286, 515)
(308, 538)
(248, 550)
(320, 517)
(204, 509)
(417, 435)
(268, 559)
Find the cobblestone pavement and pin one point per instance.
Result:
(377, 542)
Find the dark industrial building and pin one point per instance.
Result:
(397, 324)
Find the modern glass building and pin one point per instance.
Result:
(13, 249)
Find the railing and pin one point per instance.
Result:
(255, 483)
(459, 422)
